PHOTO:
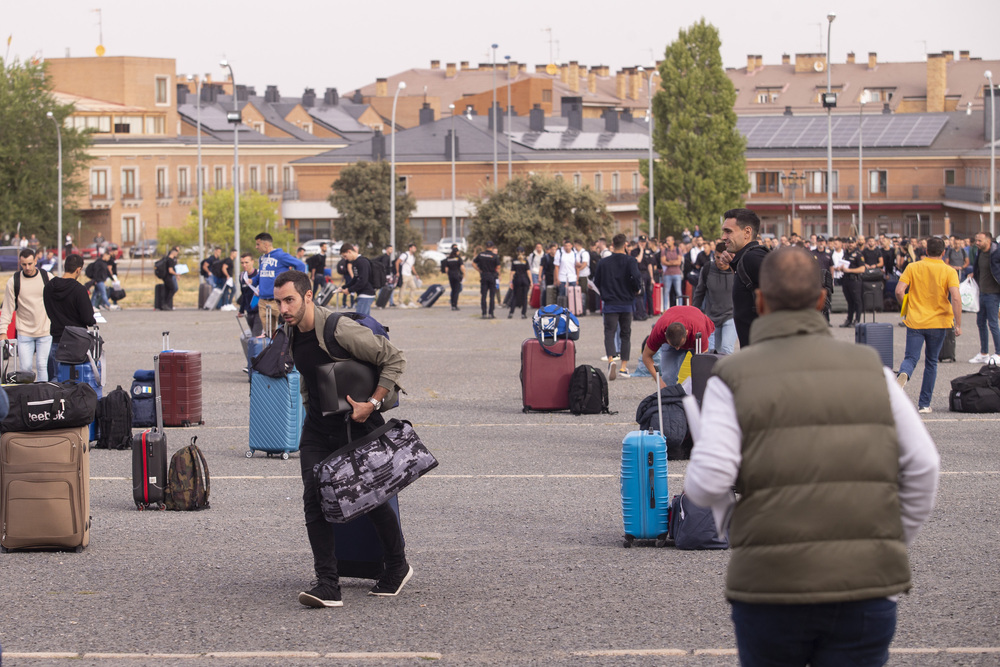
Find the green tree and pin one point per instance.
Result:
(29, 170)
(538, 209)
(702, 168)
(257, 214)
(362, 198)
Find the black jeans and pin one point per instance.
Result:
(612, 322)
(315, 446)
(852, 292)
(456, 289)
(484, 289)
(520, 298)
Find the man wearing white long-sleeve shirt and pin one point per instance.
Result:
(835, 474)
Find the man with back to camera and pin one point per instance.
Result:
(673, 336)
(408, 285)
(835, 474)
(23, 295)
(360, 282)
(487, 263)
(273, 262)
(934, 306)
(743, 253)
(67, 304)
(618, 280)
(454, 267)
(986, 273)
(317, 268)
(311, 346)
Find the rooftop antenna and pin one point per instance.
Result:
(924, 42)
(820, 25)
(549, 30)
(100, 33)
(425, 94)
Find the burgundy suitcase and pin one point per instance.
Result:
(545, 376)
(180, 386)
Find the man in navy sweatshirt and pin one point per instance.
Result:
(273, 262)
(618, 280)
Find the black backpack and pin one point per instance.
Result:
(114, 420)
(377, 274)
(160, 268)
(588, 392)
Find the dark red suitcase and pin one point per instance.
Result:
(544, 376)
(180, 386)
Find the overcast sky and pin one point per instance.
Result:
(335, 43)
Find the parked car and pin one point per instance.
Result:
(145, 248)
(444, 245)
(92, 251)
(332, 247)
(9, 258)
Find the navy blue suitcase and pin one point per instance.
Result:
(431, 295)
(878, 335)
(276, 414)
(82, 373)
(359, 551)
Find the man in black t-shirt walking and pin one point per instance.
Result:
(487, 264)
(317, 268)
(312, 346)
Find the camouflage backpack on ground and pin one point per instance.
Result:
(188, 482)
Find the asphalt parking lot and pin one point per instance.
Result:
(516, 538)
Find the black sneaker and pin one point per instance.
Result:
(390, 584)
(323, 595)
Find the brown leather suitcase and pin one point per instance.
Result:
(45, 489)
(180, 386)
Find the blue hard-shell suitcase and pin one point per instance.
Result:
(276, 414)
(878, 335)
(645, 498)
(431, 295)
(82, 373)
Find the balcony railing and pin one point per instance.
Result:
(132, 194)
(163, 192)
(107, 194)
(965, 193)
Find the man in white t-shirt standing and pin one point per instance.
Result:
(404, 265)
(582, 271)
(565, 272)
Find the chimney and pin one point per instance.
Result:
(574, 76)
(751, 63)
(872, 60)
(381, 87)
(634, 83)
(603, 70)
(937, 81)
(626, 116)
(592, 81)
(564, 73)
(850, 58)
(271, 94)
(760, 62)
(540, 68)
(447, 146)
(948, 56)
(621, 84)
(886, 110)
(251, 91)
(358, 98)
(426, 114)
(496, 116)
(241, 94)
(610, 120)
(464, 65)
(449, 71)
(522, 67)
(536, 119)
(331, 98)
(572, 110)
(512, 69)
(786, 59)
(378, 146)
(788, 111)
(209, 93)
(435, 64)
(963, 55)
(309, 98)
(182, 93)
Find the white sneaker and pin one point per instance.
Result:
(612, 370)
(995, 358)
(924, 411)
(980, 358)
(604, 358)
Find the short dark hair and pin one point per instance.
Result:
(935, 246)
(246, 254)
(345, 247)
(73, 262)
(790, 279)
(301, 248)
(619, 241)
(26, 252)
(676, 334)
(297, 278)
(264, 236)
(745, 218)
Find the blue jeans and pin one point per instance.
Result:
(989, 306)
(915, 339)
(100, 297)
(670, 363)
(562, 287)
(676, 283)
(32, 352)
(364, 304)
(727, 338)
(822, 635)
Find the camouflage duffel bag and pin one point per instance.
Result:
(361, 476)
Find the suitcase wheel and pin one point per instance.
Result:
(249, 454)
(661, 542)
(628, 542)
(284, 456)
(4, 550)
(79, 549)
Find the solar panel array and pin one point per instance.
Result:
(879, 131)
(582, 141)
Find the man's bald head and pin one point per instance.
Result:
(790, 279)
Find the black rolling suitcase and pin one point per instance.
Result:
(383, 296)
(325, 294)
(204, 290)
(701, 366)
(149, 458)
(878, 335)
(431, 295)
(948, 348)
(158, 296)
(359, 551)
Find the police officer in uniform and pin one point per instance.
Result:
(853, 265)
(825, 261)
(647, 260)
(486, 263)
(454, 268)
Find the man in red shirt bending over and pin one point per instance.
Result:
(673, 336)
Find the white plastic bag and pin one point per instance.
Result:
(970, 295)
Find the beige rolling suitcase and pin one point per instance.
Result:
(45, 489)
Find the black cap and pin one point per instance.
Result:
(642, 237)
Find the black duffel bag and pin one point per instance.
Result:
(46, 406)
(978, 392)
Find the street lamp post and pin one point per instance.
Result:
(493, 113)
(59, 236)
(792, 179)
(649, 115)
(510, 163)
(454, 234)
(234, 118)
(201, 206)
(829, 102)
(392, 171)
(993, 156)
(862, 100)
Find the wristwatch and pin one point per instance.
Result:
(377, 403)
